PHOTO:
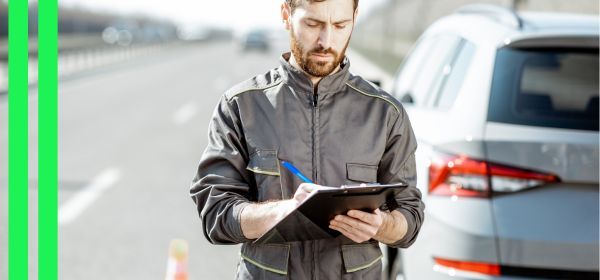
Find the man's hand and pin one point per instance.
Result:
(258, 218)
(361, 226)
(358, 225)
(304, 191)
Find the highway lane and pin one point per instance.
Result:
(137, 131)
(125, 121)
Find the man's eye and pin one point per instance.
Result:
(340, 26)
(312, 24)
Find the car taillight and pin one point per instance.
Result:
(461, 176)
(483, 268)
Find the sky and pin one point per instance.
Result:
(239, 14)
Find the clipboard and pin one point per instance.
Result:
(310, 220)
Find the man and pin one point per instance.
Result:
(335, 127)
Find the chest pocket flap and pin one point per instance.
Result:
(360, 256)
(264, 162)
(269, 257)
(361, 172)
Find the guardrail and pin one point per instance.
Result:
(77, 55)
(66, 43)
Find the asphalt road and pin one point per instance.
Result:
(130, 137)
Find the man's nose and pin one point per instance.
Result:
(325, 37)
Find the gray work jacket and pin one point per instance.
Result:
(347, 131)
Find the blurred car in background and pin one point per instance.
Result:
(505, 110)
(256, 39)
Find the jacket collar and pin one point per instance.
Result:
(301, 82)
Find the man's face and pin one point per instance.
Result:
(320, 33)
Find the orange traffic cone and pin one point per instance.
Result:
(178, 260)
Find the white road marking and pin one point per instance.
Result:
(69, 211)
(3, 76)
(185, 113)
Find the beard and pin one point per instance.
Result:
(311, 66)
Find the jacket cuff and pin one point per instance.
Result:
(409, 237)
(235, 224)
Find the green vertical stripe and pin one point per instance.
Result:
(48, 141)
(17, 139)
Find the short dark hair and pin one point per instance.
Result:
(295, 3)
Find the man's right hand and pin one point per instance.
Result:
(304, 191)
(258, 218)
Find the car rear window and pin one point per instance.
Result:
(547, 87)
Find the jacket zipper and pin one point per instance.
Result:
(314, 138)
(315, 172)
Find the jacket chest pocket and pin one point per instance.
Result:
(361, 173)
(265, 166)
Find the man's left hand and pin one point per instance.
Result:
(358, 225)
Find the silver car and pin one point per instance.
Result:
(505, 109)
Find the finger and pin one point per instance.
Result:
(307, 187)
(301, 196)
(357, 227)
(352, 222)
(361, 215)
(349, 234)
(372, 219)
(310, 187)
(355, 236)
(345, 233)
(362, 230)
(302, 192)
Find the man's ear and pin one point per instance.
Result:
(286, 15)
(355, 13)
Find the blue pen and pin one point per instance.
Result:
(295, 170)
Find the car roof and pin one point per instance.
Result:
(498, 26)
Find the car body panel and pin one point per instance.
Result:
(453, 239)
(570, 154)
(551, 226)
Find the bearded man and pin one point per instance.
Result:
(335, 127)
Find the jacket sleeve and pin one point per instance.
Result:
(220, 188)
(398, 165)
